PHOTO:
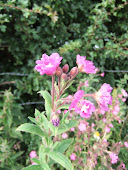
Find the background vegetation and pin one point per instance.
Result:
(29, 28)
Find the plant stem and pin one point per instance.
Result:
(53, 81)
(88, 95)
(59, 83)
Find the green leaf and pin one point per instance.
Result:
(16, 155)
(48, 109)
(33, 120)
(69, 84)
(45, 167)
(61, 159)
(46, 96)
(65, 127)
(66, 106)
(42, 154)
(14, 134)
(44, 122)
(37, 113)
(30, 128)
(52, 128)
(48, 102)
(65, 116)
(63, 145)
(33, 167)
(36, 160)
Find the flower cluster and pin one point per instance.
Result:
(114, 158)
(95, 121)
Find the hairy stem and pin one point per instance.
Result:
(53, 81)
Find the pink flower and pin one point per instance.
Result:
(82, 127)
(104, 120)
(125, 94)
(126, 144)
(67, 99)
(77, 96)
(73, 157)
(97, 69)
(116, 110)
(86, 83)
(93, 124)
(124, 100)
(48, 64)
(110, 125)
(100, 111)
(103, 96)
(85, 108)
(71, 115)
(114, 158)
(123, 165)
(119, 121)
(59, 111)
(64, 135)
(65, 111)
(95, 162)
(102, 74)
(104, 140)
(72, 129)
(107, 129)
(32, 154)
(84, 65)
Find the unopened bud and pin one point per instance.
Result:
(65, 68)
(74, 71)
(64, 76)
(55, 120)
(102, 74)
(59, 71)
(68, 76)
(97, 69)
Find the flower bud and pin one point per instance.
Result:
(102, 74)
(65, 68)
(59, 71)
(64, 76)
(74, 71)
(55, 120)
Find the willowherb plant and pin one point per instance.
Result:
(86, 117)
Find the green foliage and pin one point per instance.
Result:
(10, 140)
(30, 128)
(61, 159)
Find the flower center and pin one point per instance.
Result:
(84, 108)
(97, 134)
(49, 65)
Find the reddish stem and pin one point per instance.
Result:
(53, 81)
(88, 95)
(59, 83)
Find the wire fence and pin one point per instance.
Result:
(13, 74)
(31, 103)
(36, 103)
(116, 71)
(20, 74)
